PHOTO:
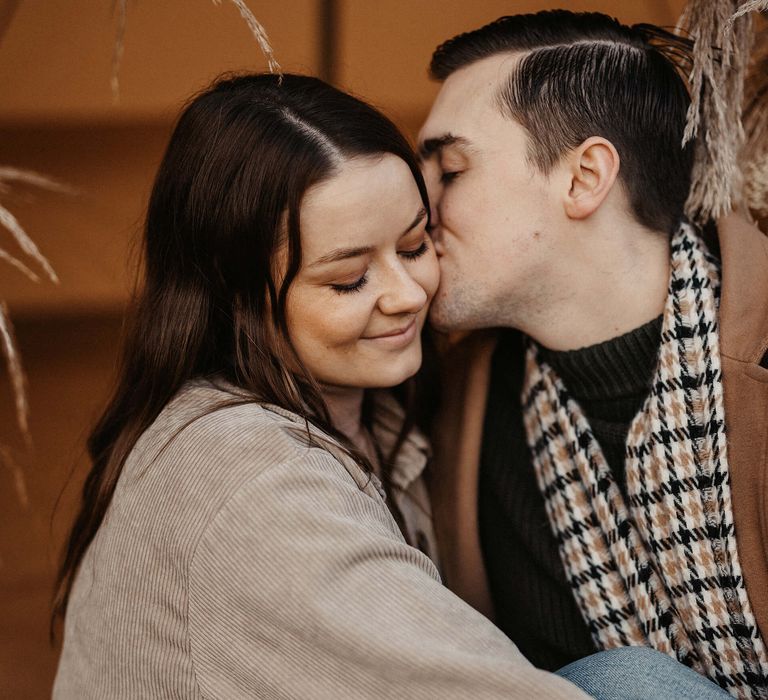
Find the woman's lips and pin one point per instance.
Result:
(397, 338)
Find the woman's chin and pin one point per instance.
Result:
(386, 372)
(398, 370)
(390, 380)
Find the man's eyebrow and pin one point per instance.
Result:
(347, 253)
(431, 146)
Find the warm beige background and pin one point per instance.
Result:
(57, 116)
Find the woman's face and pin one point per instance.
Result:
(357, 306)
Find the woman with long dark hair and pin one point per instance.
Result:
(255, 523)
(233, 538)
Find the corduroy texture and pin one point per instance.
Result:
(240, 560)
(661, 569)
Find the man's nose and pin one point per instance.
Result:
(434, 212)
(435, 229)
(434, 189)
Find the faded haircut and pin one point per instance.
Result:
(586, 74)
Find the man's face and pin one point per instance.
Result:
(492, 211)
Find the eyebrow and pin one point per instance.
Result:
(347, 253)
(431, 146)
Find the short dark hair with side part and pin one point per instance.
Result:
(586, 74)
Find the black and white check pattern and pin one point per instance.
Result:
(660, 567)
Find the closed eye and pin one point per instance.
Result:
(448, 176)
(349, 288)
(413, 254)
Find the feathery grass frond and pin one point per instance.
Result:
(7, 342)
(8, 221)
(119, 49)
(720, 58)
(755, 152)
(11, 223)
(20, 266)
(257, 29)
(752, 6)
(19, 482)
(30, 177)
(259, 32)
(15, 369)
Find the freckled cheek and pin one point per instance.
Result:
(336, 322)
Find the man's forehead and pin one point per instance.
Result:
(467, 97)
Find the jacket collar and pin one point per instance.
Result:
(388, 419)
(412, 458)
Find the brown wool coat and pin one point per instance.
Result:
(743, 343)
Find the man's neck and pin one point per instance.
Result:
(611, 285)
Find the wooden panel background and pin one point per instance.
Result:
(57, 116)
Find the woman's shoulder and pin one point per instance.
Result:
(206, 449)
(214, 423)
(212, 439)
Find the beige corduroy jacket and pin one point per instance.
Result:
(240, 559)
(743, 318)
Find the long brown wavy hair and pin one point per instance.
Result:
(226, 198)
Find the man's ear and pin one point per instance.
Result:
(593, 168)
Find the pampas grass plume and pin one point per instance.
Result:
(254, 25)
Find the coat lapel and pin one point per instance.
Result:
(453, 484)
(743, 343)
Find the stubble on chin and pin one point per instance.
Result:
(441, 317)
(459, 308)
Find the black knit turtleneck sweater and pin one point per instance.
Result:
(533, 602)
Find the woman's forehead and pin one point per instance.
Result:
(366, 202)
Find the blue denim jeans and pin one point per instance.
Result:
(639, 673)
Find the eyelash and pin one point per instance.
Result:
(413, 254)
(357, 286)
(349, 288)
(448, 176)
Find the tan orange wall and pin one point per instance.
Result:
(57, 117)
(385, 47)
(57, 114)
(56, 57)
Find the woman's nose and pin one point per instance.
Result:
(402, 294)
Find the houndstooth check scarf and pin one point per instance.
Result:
(659, 568)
